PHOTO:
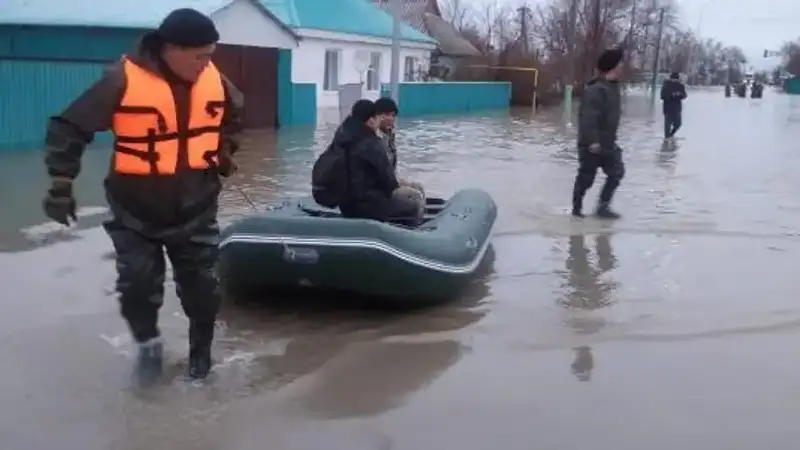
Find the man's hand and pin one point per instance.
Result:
(227, 166)
(59, 204)
(595, 148)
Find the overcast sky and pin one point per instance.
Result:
(754, 27)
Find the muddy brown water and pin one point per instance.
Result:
(675, 327)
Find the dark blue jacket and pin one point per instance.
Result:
(673, 92)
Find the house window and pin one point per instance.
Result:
(374, 74)
(409, 68)
(331, 81)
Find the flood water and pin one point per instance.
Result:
(676, 327)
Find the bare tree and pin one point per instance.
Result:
(496, 29)
(455, 12)
(791, 57)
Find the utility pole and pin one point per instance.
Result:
(629, 38)
(630, 29)
(596, 29)
(572, 19)
(658, 51)
(523, 27)
(394, 77)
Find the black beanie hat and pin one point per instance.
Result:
(609, 59)
(675, 76)
(363, 110)
(385, 105)
(188, 28)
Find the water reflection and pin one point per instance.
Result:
(372, 378)
(588, 290)
(666, 155)
(356, 363)
(586, 287)
(583, 363)
(348, 360)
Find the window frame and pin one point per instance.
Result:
(329, 85)
(374, 73)
(409, 70)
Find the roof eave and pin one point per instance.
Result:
(297, 38)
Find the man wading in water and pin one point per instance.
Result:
(598, 121)
(176, 121)
(673, 93)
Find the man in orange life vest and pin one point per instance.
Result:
(176, 121)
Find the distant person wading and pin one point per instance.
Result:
(673, 93)
(176, 121)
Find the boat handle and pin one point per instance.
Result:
(300, 255)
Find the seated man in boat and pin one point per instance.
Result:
(354, 173)
(387, 113)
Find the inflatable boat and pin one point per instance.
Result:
(299, 244)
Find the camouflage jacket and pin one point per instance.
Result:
(391, 147)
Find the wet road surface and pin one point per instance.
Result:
(673, 328)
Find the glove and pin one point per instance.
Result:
(59, 204)
(227, 166)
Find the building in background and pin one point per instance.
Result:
(345, 42)
(50, 51)
(452, 50)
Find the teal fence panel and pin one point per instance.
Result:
(297, 102)
(792, 86)
(304, 106)
(451, 97)
(66, 43)
(43, 69)
(32, 91)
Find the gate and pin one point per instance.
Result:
(254, 71)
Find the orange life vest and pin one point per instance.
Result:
(145, 123)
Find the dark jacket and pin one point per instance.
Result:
(152, 205)
(354, 173)
(599, 114)
(673, 92)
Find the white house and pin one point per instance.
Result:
(348, 43)
(247, 22)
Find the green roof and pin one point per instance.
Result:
(359, 17)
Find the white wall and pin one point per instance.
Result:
(308, 62)
(244, 23)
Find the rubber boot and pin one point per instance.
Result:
(577, 205)
(149, 363)
(199, 363)
(604, 211)
(200, 337)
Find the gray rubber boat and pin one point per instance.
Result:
(300, 244)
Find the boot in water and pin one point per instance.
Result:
(149, 363)
(604, 211)
(577, 204)
(199, 363)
